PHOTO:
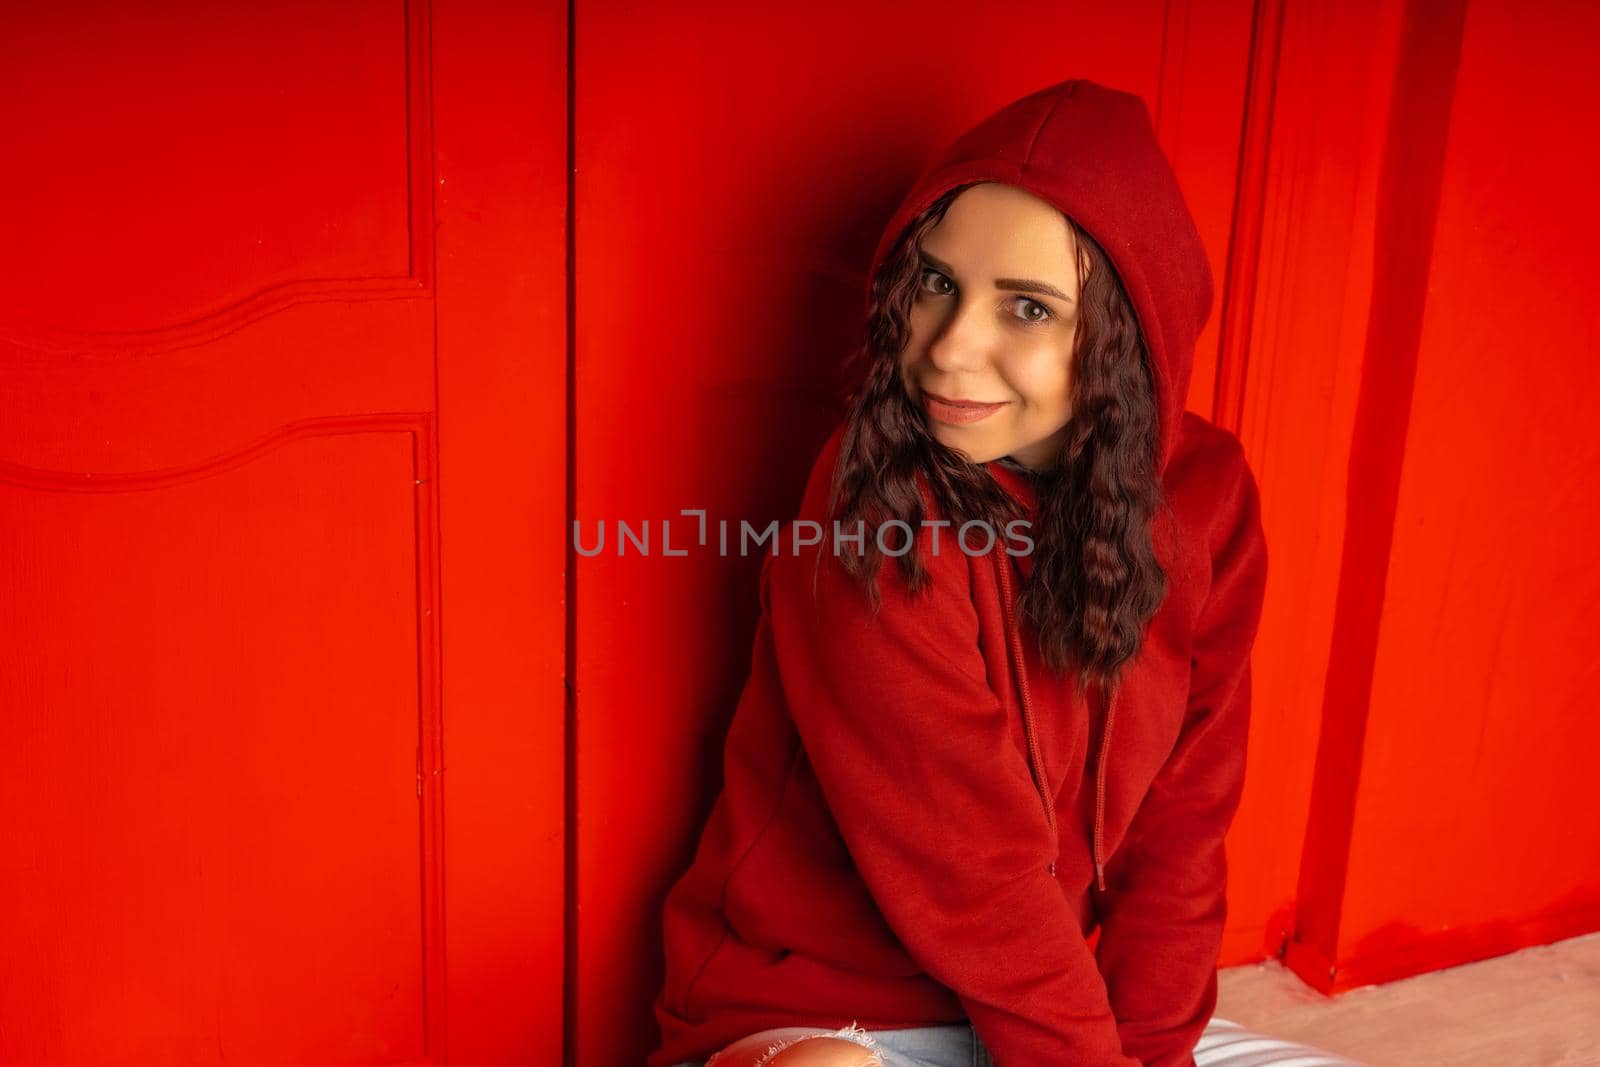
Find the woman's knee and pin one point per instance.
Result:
(797, 1047)
(825, 1052)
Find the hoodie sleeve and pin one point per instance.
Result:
(934, 799)
(1163, 908)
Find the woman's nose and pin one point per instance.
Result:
(962, 342)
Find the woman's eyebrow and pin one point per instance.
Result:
(1015, 285)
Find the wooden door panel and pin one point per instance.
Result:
(1472, 831)
(226, 372)
(201, 163)
(211, 745)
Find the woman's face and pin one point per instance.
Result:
(992, 325)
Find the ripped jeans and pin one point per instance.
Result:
(953, 1045)
(1223, 1044)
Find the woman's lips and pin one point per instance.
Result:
(957, 412)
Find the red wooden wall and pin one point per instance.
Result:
(1452, 814)
(318, 741)
(1364, 175)
(283, 372)
(728, 194)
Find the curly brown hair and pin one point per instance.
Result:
(1096, 581)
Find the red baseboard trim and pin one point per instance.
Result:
(1401, 952)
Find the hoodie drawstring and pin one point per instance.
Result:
(1019, 666)
(1020, 673)
(1100, 789)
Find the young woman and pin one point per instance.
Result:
(962, 753)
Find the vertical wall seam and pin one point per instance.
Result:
(569, 925)
(1243, 261)
(1409, 185)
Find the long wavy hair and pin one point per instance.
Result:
(1096, 581)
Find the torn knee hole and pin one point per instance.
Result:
(851, 1034)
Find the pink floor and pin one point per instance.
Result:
(1533, 1008)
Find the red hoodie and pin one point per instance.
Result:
(919, 822)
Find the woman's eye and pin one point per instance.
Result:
(1033, 312)
(932, 278)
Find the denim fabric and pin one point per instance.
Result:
(953, 1045)
(1224, 1044)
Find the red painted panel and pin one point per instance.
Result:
(1418, 375)
(1474, 830)
(1297, 314)
(261, 140)
(274, 547)
(211, 771)
(501, 183)
(1405, 212)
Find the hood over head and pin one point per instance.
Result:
(1092, 152)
